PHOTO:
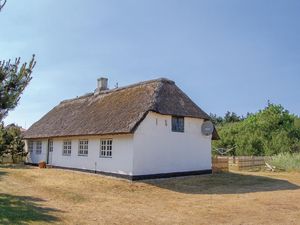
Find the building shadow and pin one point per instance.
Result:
(2, 173)
(15, 166)
(223, 183)
(21, 210)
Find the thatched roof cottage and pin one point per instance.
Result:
(144, 130)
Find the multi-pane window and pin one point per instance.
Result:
(67, 147)
(30, 146)
(50, 146)
(177, 124)
(38, 147)
(83, 147)
(106, 148)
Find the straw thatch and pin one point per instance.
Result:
(116, 111)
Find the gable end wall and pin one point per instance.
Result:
(156, 149)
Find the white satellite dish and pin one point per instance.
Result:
(207, 128)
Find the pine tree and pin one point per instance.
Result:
(2, 4)
(13, 80)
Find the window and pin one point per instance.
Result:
(177, 124)
(50, 146)
(38, 149)
(30, 146)
(67, 147)
(83, 147)
(106, 148)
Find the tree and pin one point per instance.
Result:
(270, 131)
(15, 144)
(11, 142)
(217, 120)
(2, 140)
(2, 4)
(231, 117)
(13, 80)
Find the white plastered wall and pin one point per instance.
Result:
(120, 162)
(32, 157)
(159, 150)
(152, 149)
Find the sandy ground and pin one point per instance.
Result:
(29, 195)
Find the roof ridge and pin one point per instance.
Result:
(162, 80)
(77, 98)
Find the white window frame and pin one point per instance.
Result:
(38, 147)
(83, 147)
(67, 147)
(30, 146)
(50, 145)
(106, 148)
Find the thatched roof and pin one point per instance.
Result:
(116, 111)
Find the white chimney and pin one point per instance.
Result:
(102, 84)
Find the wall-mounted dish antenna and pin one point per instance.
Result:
(207, 128)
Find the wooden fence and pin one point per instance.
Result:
(246, 162)
(224, 163)
(220, 164)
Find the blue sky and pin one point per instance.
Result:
(226, 55)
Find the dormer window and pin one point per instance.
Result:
(177, 124)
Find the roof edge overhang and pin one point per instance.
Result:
(75, 135)
(215, 135)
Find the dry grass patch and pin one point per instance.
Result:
(69, 197)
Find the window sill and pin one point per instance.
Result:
(109, 157)
(83, 155)
(66, 155)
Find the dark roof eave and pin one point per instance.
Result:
(74, 135)
(215, 135)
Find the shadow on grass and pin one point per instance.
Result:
(15, 166)
(21, 210)
(2, 173)
(223, 183)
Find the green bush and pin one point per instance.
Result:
(270, 131)
(11, 143)
(286, 161)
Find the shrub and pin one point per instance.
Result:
(270, 131)
(286, 161)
